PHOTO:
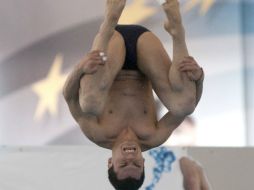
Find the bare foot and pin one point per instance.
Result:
(174, 23)
(114, 9)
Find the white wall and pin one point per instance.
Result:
(65, 168)
(227, 168)
(84, 167)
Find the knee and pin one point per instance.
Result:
(90, 105)
(185, 107)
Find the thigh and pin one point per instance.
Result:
(155, 63)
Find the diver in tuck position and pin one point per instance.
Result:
(109, 93)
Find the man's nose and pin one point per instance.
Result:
(130, 158)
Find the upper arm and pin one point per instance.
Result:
(90, 127)
(165, 126)
(75, 109)
(88, 123)
(71, 91)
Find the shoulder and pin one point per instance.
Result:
(94, 131)
(159, 136)
(88, 124)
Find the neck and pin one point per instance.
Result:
(127, 135)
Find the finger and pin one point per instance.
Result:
(93, 63)
(96, 58)
(102, 54)
(95, 52)
(98, 62)
(99, 58)
(92, 56)
(93, 70)
(98, 54)
(183, 65)
(191, 76)
(189, 57)
(188, 68)
(104, 59)
(189, 61)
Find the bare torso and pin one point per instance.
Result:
(106, 106)
(129, 106)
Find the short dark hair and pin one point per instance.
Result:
(125, 184)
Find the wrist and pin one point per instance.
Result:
(79, 70)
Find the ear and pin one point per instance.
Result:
(110, 164)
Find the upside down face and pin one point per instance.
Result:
(127, 160)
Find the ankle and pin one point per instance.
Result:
(112, 18)
(177, 33)
(178, 37)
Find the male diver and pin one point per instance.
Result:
(110, 91)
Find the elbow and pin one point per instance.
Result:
(64, 93)
(90, 110)
(66, 96)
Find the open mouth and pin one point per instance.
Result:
(130, 149)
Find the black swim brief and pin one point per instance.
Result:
(130, 34)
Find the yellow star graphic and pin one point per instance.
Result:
(205, 5)
(49, 88)
(136, 12)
